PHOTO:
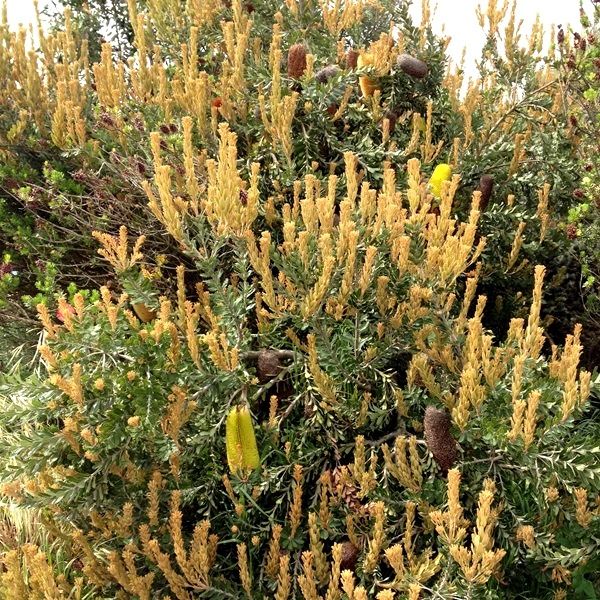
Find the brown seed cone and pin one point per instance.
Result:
(326, 73)
(268, 365)
(296, 63)
(349, 556)
(486, 187)
(412, 66)
(438, 437)
(393, 118)
(351, 58)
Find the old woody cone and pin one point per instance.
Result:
(349, 556)
(438, 437)
(486, 187)
(412, 66)
(268, 365)
(326, 73)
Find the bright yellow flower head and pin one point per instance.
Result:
(365, 60)
(441, 173)
(368, 85)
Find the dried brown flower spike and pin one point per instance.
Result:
(412, 66)
(349, 556)
(438, 437)
(351, 58)
(326, 73)
(297, 60)
(268, 365)
(393, 119)
(486, 187)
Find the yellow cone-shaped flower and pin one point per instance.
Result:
(240, 441)
(441, 173)
(367, 84)
(143, 312)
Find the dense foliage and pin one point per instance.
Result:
(293, 229)
(581, 70)
(70, 168)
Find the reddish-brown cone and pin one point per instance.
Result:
(351, 58)
(412, 66)
(349, 556)
(268, 365)
(438, 437)
(486, 187)
(392, 117)
(332, 109)
(296, 62)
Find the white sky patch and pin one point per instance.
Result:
(457, 19)
(20, 12)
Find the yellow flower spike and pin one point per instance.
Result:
(240, 441)
(367, 84)
(443, 172)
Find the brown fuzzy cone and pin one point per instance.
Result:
(486, 187)
(438, 437)
(326, 73)
(296, 61)
(349, 556)
(351, 58)
(268, 365)
(392, 117)
(412, 66)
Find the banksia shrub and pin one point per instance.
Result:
(365, 320)
(312, 277)
(77, 157)
(579, 64)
